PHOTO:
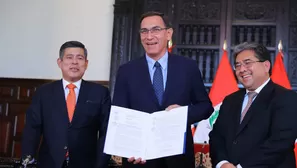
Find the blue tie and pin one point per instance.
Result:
(158, 82)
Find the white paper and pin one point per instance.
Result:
(133, 133)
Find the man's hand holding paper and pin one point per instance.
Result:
(172, 107)
(147, 136)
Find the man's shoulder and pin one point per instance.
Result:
(181, 58)
(280, 91)
(133, 63)
(50, 85)
(172, 58)
(94, 85)
(48, 88)
(236, 94)
(182, 62)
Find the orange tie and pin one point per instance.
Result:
(71, 101)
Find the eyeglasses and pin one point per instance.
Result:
(154, 30)
(245, 63)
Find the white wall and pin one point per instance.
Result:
(32, 31)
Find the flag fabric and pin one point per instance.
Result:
(224, 84)
(279, 74)
(280, 77)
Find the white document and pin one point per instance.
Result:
(133, 133)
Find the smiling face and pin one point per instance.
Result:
(251, 72)
(73, 64)
(155, 42)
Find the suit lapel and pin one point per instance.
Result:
(146, 81)
(82, 98)
(258, 105)
(171, 72)
(60, 101)
(236, 107)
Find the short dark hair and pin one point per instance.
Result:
(154, 13)
(261, 52)
(72, 44)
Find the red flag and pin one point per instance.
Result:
(224, 84)
(279, 74)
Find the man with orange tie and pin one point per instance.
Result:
(70, 115)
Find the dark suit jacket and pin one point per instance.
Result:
(184, 86)
(48, 117)
(266, 136)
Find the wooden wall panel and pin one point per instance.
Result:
(19, 123)
(16, 149)
(8, 92)
(5, 137)
(2, 108)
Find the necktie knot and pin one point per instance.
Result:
(157, 64)
(251, 95)
(71, 86)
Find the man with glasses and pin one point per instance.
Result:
(158, 81)
(257, 125)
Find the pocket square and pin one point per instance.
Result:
(93, 101)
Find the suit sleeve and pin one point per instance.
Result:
(33, 126)
(103, 159)
(120, 96)
(201, 106)
(283, 133)
(217, 143)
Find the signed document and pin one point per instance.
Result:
(133, 133)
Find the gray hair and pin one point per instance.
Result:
(261, 52)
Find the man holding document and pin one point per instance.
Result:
(156, 82)
(156, 135)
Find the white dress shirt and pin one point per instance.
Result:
(76, 89)
(164, 64)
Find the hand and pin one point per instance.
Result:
(172, 107)
(28, 160)
(136, 161)
(228, 165)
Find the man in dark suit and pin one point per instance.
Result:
(159, 81)
(256, 127)
(68, 118)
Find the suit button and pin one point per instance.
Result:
(65, 147)
(234, 142)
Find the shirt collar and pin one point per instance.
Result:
(260, 88)
(77, 83)
(163, 61)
